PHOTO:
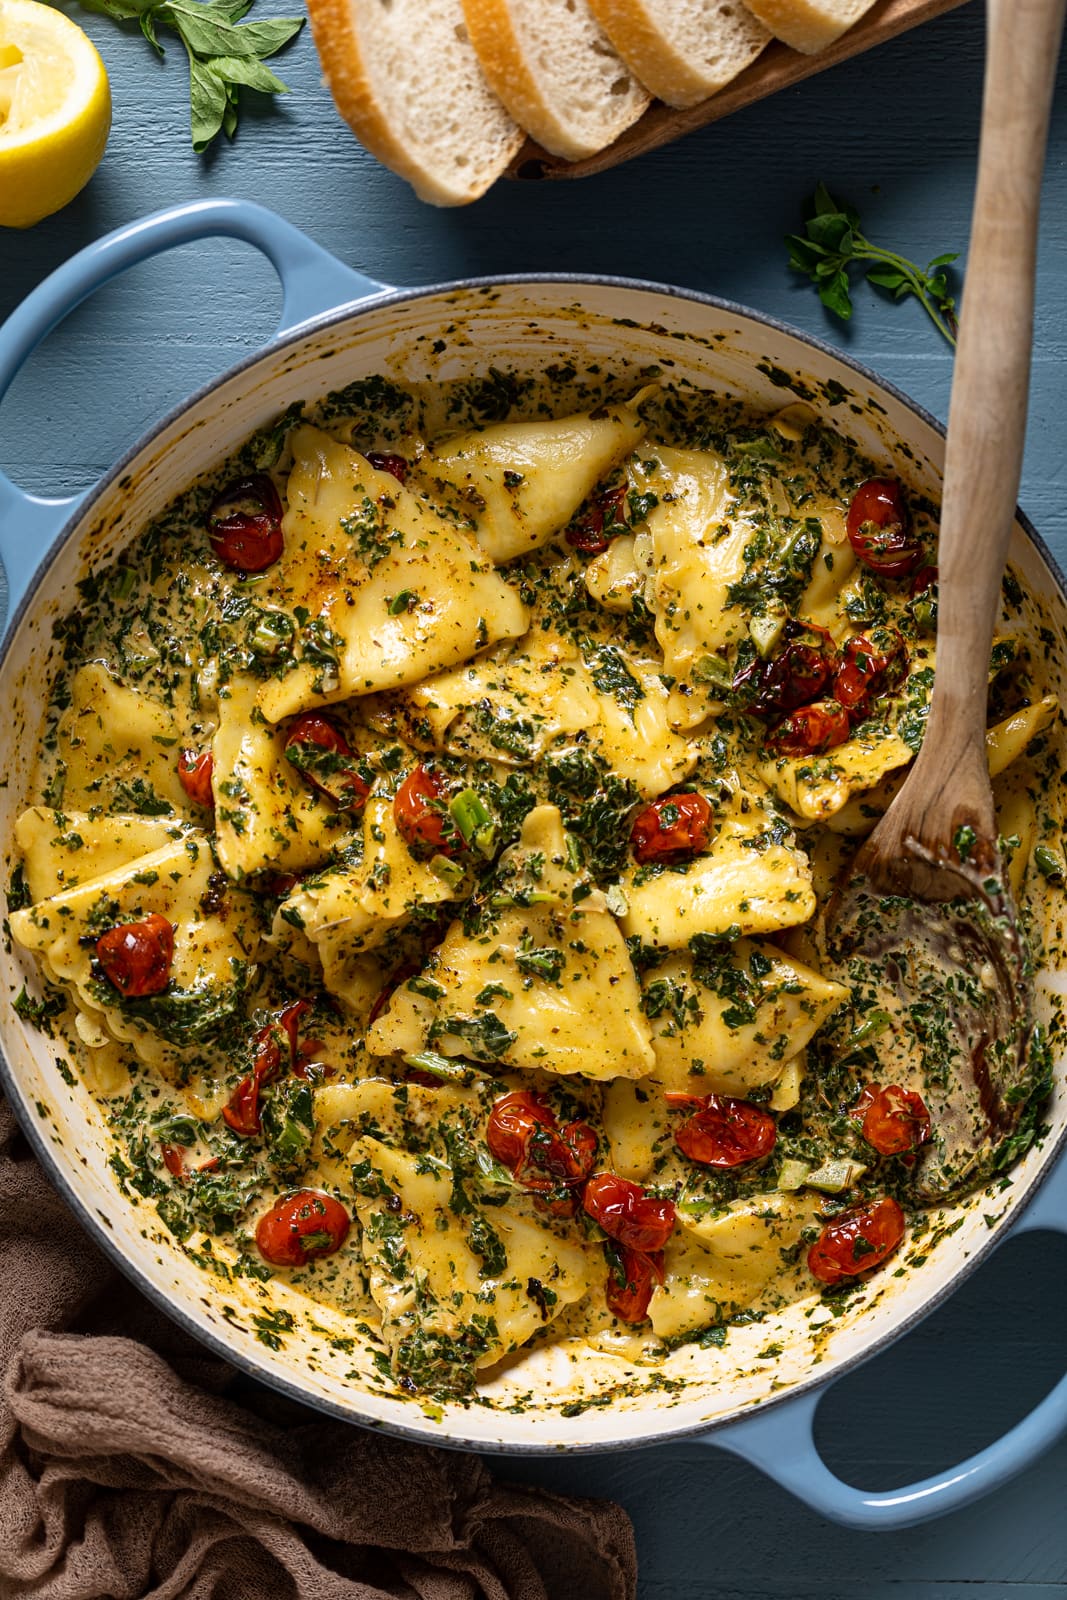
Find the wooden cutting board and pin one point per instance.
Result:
(775, 69)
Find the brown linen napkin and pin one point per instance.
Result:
(135, 1465)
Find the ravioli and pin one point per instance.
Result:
(215, 941)
(532, 989)
(520, 483)
(383, 589)
(746, 883)
(727, 1021)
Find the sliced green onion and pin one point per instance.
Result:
(766, 631)
(874, 1023)
(714, 670)
(616, 900)
(443, 1067)
(474, 821)
(793, 1176)
(449, 872)
(1049, 863)
(835, 1176)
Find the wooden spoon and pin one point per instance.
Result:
(927, 927)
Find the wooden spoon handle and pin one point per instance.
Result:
(987, 417)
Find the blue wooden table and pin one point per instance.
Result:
(894, 131)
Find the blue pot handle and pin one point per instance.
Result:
(313, 281)
(780, 1442)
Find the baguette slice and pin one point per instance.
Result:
(808, 25)
(556, 72)
(404, 75)
(683, 50)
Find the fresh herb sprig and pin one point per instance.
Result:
(832, 244)
(225, 55)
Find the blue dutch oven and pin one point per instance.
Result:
(336, 326)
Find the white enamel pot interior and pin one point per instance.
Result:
(538, 1401)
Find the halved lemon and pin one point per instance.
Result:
(55, 111)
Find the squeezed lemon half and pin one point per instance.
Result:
(55, 111)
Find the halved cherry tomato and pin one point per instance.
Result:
(879, 529)
(421, 816)
(723, 1131)
(241, 1112)
(629, 1300)
(602, 520)
(524, 1136)
(675, 826)
(303, 1227)
(174, 1160)
(396, 466)
(194, 775)
(810, 730)
(244, 524)
(290, 1021)
(796, 675)
(924, 579)
(856, 1241)
(894, 1120)
(321, 754)
(136, 957)
(627, 1214)
(868, 668)
(513, 1122)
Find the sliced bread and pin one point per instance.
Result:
(404, 76)
(809, 25)
(683, 50)
(555, 70)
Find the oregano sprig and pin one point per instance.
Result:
(832, 245)
(225, 55)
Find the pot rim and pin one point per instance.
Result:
(260, 1368)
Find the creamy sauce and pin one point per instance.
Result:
(454, 623)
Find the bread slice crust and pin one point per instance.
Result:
(442, 172)
(535, 98)
(683, 59)
(809, 25)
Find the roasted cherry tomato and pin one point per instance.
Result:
(671, 828)
(524, 1136)
(513, 1121)
(795, 676)
(723, 1131)
(174, 1160)
(136, 957)
(241, 1112)
(422, 816)
(600, 521)
(302, 1227)
(194, 774)
(879, 529)
(894, 1120)
(321, 754)
(244, 524)
(810, 730)
(856, 1241)
(640, 1272)
(924, 579)
(396, 466)
(627, 1214)
(867, 668)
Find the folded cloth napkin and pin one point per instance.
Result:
(134, 1465)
